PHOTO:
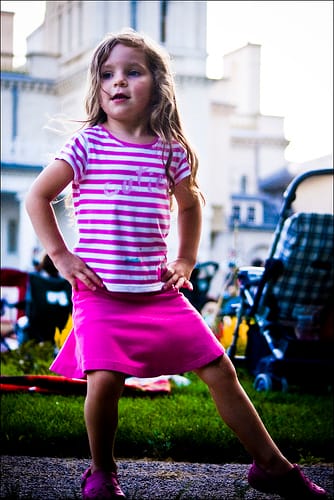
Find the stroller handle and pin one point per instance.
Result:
(290, 195)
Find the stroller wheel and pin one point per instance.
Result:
(263, 382)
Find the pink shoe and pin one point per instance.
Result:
(100, 485)
(294, 484)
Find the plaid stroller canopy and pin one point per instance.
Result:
(305, 248)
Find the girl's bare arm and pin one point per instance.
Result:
(48, 185)
(189, 232)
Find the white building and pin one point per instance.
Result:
(237, 146)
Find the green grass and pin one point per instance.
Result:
(182, 426)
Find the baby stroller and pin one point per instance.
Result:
(287, 304)
(201, 278)
(43, 305)
(49, 305)
(13, 293)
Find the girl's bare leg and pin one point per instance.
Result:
(104, 389)
(237, 411)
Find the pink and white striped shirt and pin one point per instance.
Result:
(122, 206)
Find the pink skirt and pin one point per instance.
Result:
(138, 334)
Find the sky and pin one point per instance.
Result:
(296, 39)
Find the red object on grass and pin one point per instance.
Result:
(52, 384)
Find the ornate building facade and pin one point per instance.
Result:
(42, 103)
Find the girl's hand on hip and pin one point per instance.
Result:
(177, 275)
(72, 268)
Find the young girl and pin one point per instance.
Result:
(129, 315)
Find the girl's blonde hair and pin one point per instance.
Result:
(164, 119)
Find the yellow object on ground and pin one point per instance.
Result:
(60, 336)
(225, 329)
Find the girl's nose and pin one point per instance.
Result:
(120, 81)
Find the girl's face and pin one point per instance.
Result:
(126, 86)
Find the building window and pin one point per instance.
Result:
(251, 215)
(12, 236)
(163, 20)
(243, 184)
(15, 110)
(236, 214)
(80, 22)
(60, 30)
(69, 27)
(133, 14)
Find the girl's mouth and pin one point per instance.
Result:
(119, 96)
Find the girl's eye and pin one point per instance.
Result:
(106, 75)
(134, 72)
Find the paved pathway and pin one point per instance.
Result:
(31, 478)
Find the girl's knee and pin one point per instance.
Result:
(220, 370)
(105, 383)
